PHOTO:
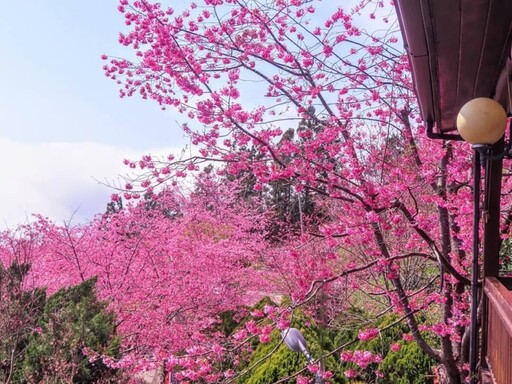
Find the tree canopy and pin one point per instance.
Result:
(314, 184)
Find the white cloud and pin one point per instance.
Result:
(57, 179)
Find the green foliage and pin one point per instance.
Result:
(506, 257)
(227, 322)
(73, 319)
(19, 311)
(273, 361)
(410, 365)
(407, 366)
(230, 321)
(347, 325)
(278, 365)
(387, 337)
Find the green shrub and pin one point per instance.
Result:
(409, 365)
(274, 361)
(73, 319)
(19, 311)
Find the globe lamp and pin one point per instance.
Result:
(482, 121)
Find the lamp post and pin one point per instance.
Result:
(293, 338)
(481, 122)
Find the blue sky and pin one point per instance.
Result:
(62, 124)
(53, 86)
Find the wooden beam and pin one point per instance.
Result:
(492, 239)
(491, 211)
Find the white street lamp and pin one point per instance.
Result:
(293, 338)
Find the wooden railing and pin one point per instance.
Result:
(499, 330)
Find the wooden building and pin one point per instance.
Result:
(460, 50)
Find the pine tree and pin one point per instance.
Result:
(73, 320)
(19, 311)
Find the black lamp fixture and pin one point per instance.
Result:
(481, 122)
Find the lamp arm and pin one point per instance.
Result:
(318, 377)
(306, 353)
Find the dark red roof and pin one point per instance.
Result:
(459, 50)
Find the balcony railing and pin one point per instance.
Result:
(499, 329)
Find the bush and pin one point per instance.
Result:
(282, 362)
(73, 319)
(19, 311)
(409, 365)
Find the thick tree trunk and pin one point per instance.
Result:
(453, 374)
(443, 375)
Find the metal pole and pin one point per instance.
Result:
(318, 377)
(473, 341)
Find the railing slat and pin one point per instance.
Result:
(499, 330)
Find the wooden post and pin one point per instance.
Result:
(491, 209)
(491, 238)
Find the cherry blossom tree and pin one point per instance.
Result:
(310, 93)
(169, 267)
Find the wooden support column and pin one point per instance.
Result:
(491, 211)
(491, 238)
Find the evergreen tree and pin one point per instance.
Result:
(19, 311)
(73, 320)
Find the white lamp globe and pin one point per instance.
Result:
(482, 121)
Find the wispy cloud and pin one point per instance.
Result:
(59, 180)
